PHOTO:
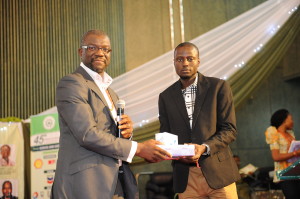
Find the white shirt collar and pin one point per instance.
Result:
(104, 82)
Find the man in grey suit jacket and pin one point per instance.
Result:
(200, 111)
(90, 156)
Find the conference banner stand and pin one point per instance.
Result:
(290, 173)
(44, 139)
(11, 160)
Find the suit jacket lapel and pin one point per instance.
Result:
(177, 95)
(92, 85)
(202, 88)
(114, 97)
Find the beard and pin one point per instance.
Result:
(185, 77)
(98, 68)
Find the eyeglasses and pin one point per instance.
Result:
(92, 48)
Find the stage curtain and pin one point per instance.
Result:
(247, 79)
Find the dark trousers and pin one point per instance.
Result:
(119, 193)
(127, 185)
(291, 189)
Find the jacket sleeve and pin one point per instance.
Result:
(226, 131)
(163, 117)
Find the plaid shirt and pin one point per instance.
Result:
(189, 95)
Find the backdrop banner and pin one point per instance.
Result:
(11, 160)
(44, 139)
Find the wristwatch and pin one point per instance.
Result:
(207, 151)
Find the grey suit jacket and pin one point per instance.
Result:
(214, 123)
(87, 165)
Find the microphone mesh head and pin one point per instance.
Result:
(120, 104)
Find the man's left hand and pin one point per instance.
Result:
(199, 150)
(126, 125)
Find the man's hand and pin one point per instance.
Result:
(126, 125)
(199, 150)
(150, 152)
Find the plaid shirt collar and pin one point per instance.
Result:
(192, 87)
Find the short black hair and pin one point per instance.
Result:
(90, 32)
(279, 117)
(6, 182)
(187, 44)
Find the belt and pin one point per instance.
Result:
(121, 170)
(192, 165)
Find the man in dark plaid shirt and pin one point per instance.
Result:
(200, 111)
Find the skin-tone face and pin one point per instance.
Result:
(5, 152)
(7, 189)
(98, 60)
(186, 62)
(288, 122)
(238, 161)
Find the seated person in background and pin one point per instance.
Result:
(279, 136)
(243, 188)
(247, 171)
(237, 159)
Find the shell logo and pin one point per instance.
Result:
(38, 163)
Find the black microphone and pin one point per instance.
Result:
(120, 112)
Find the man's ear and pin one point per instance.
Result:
(80, 51)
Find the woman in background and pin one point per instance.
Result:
(279, 136)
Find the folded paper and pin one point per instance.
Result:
(167, 138)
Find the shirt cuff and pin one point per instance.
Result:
(207, 152)
(132, 151)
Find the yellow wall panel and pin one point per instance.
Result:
(39, 42)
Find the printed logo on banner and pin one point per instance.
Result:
(51, 162)
(50, 179)
(49, 171)
(49, 122)
(38, 163)
(35, 195)
(47, 187)
(51, 156)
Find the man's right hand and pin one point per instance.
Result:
(150, 152)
